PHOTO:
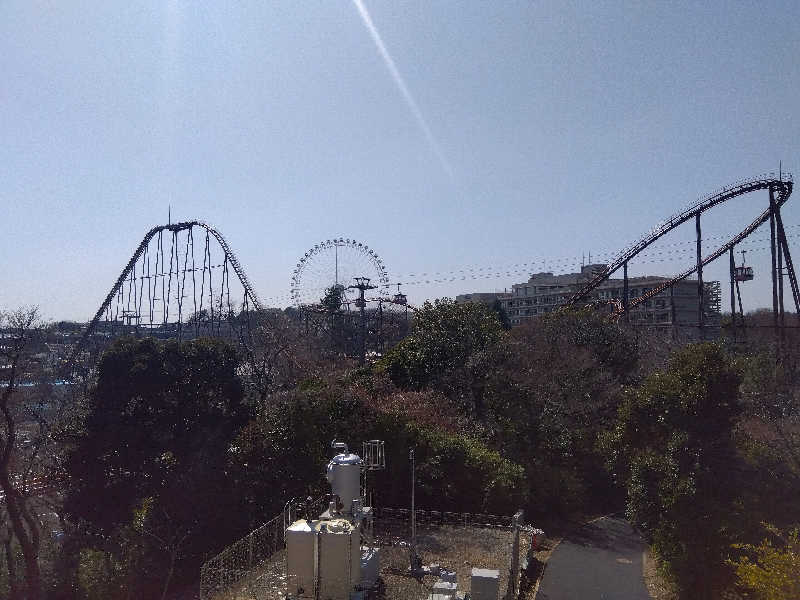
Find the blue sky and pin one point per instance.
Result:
(551, 129)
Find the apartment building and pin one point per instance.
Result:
(546, 292)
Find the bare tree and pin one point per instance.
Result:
(18, 328)
(280, 355)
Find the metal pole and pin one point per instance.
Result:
(672, 312)
(733, 293)
(741, 308)
(700, 307)
(625, 288)
(788, 259)
(362, 351)
(774, 260)
(414, 557)
(780, 276)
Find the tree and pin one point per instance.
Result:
(544, 393)
(774, 574)
(279, 454)
(502, 315)
(446, 334)
(20, 328)
(673, 450)
(151, 457)
(279, 355)
(332, 300)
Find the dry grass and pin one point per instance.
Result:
(267, 582)
(531, 576)
(452, 547)
(657, 586)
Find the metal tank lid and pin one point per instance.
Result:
(346, 459)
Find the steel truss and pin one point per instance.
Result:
(780, 189)
(155, 287)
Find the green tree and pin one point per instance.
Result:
(502, 315)
(332, 300)
(151, 459)
(674, 451)
(446, 334)
(545, 392)
(774, 571)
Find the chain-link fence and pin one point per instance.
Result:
(231, 568)
(436, 517)
(254, 566)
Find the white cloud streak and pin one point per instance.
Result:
(401, 85)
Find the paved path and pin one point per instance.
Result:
(601, 560)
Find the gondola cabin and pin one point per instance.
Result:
(743, 273)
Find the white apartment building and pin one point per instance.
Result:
(546, 292)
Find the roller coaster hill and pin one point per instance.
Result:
(779, 189)
(184, 280)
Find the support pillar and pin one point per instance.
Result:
(773, 249)
(741, 308)
(733, 293)
(787, 256)
(700, 294)
(780, 271)
(625, 289)
(673, 312)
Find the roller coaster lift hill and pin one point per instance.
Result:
(779, 189)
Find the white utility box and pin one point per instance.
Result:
(445, 588)
(339, 559)
(484, 584)
(370, 566)
(300, 559)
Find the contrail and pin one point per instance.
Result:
(401, 85)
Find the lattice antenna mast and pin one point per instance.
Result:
(362, 285)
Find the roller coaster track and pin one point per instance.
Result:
(781, 185)
(250, 294)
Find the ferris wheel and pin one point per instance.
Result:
(335, 263)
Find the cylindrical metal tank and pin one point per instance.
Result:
(344, 475)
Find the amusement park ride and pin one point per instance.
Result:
(779, 188)
(178, 282)
(320, 276)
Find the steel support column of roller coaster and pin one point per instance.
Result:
(129, 275)
(700, 294)
(781, 185)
